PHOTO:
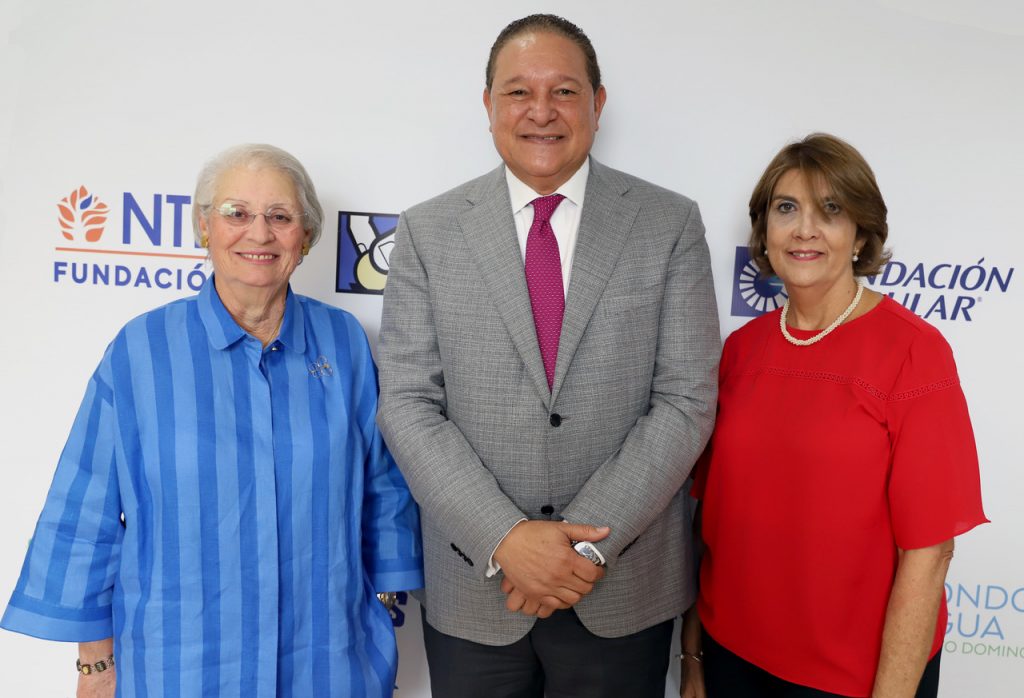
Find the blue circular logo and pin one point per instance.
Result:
(763, 295)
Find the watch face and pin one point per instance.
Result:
(590, 552)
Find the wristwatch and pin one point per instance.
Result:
(587, 550)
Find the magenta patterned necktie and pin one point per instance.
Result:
(544, 279)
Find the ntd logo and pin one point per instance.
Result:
(82, 213)
(365, 241)
(83, 217)
(752, 294)
(155, 248)
(152, 223)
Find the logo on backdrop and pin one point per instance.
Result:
(396, 611)
(985, 619)
(753, 295)
(365, 241)
(82, 215)
(944, 291)
(152, 251)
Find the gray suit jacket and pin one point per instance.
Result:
(466, 410)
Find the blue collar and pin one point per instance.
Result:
(223, 331)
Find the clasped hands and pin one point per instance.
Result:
(541, 571)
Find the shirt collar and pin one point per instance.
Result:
(223, 331)
(573, 189)
(293, 328)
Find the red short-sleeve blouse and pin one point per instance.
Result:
(824, 460)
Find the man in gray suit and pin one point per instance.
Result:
(548, 357)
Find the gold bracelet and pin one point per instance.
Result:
(699, 657)
(102, 665)
(388, 598)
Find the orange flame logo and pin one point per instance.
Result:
(82, 212)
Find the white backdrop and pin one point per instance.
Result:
(382, 102)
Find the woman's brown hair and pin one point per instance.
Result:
(837, 164)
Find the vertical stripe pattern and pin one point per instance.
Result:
(262, 511)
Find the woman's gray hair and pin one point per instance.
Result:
(258, 154)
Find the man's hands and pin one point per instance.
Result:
(542, 572)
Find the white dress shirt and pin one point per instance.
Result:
(565, 223)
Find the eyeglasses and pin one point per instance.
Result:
(278, 220)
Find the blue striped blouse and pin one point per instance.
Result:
(226, 511)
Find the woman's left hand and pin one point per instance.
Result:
(910, 619)
(97, 684)
(100, 685)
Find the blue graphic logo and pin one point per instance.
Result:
(365, 241)
(943, 291)
(397, 612)
(753, 295)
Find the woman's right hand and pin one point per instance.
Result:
(691, 671)
(691, 682)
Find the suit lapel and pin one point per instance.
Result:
(490, 235)
(607, 220)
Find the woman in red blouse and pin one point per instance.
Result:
(842, 464)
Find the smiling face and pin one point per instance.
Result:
(810, 239)
(542, 109)
(253, 259)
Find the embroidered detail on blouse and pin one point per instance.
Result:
(925, 389)
(859, 382)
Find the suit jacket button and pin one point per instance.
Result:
(547, 510)
(556, 420)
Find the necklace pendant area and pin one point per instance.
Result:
(825, 332)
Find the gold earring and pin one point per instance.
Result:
(204, 241)
(305, 249)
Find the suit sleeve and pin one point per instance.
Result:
(701, 468)
(67, 581)
(629, 490)
(444, 473)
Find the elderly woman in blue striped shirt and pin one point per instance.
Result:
(225, 510)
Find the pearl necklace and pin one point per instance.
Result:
(821, 335)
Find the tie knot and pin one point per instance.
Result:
(544, 206)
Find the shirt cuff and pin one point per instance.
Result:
(492, 565)
(39, 619)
